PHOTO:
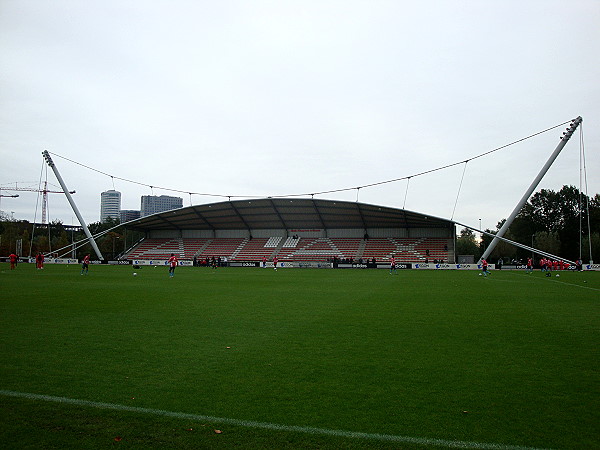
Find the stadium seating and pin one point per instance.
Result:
(321, 249)
(411, 250)
(273, 242)
(255, 250)
(162, 248)
(223, 248)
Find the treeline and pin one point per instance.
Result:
(550, 221)
(52, 237)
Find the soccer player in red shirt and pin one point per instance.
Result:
(13, 261)
(173, 262)
(85, 264)
(275, 262)
(529, 268)
(39, 260)
(484, 268)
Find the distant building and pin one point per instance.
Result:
(110, 205)
(129, 214)
(152, 204)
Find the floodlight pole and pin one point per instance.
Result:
(73, 205)
(563, 141)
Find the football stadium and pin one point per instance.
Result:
(297, 232)
(195, 338)
(299, 225)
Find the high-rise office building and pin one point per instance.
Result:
(152, 204)
(129, 214)
(110, 205)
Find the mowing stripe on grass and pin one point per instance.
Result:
(271, 426)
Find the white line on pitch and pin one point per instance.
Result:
(271, 426)
(576, 285)
(554, 280)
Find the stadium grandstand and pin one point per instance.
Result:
(295, 230)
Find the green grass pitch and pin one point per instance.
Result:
(417, 359)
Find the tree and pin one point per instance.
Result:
(585, 247)
(503, 249)
(61, 243)
(466, 243)
(26, 241)
(109, 243)
(56, 229)
(98, 227)
(548, 242)
(594, 207)
(10, 233)
(559, 215)
(41, 244)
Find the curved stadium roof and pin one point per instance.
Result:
(286, 213)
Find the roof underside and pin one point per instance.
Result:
(285, 213)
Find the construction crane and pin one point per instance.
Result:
(43, 191)
(7, 195)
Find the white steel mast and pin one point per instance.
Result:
(563, 141)
(73, 205)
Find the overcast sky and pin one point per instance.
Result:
(265, 98)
